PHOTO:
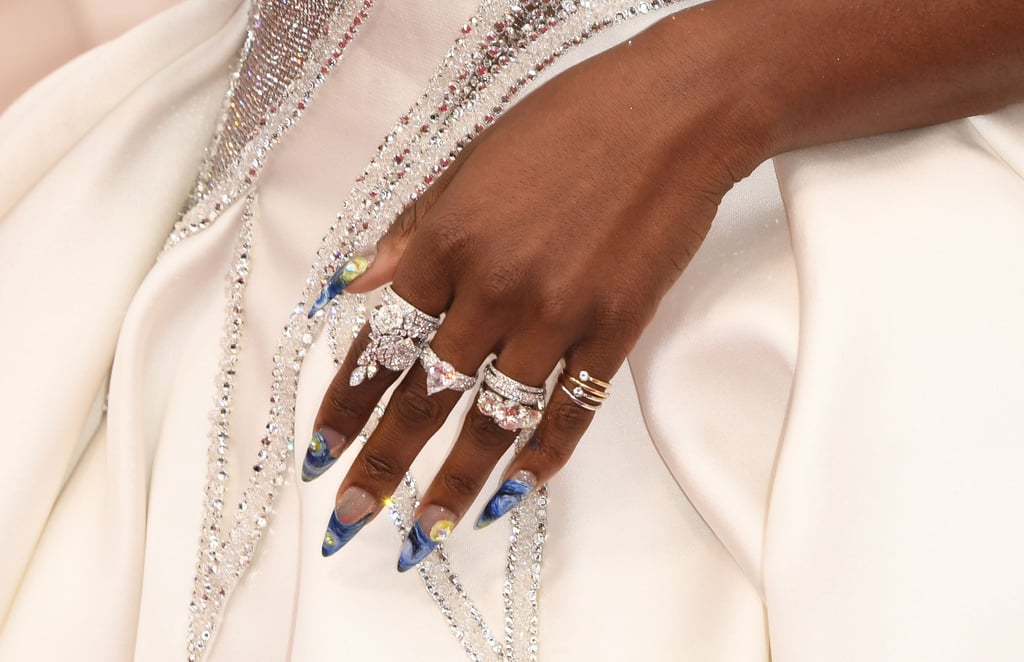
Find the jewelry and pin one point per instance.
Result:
(398, 333)
(584, 390)
(511, 389)
(501, 51)
(442, 375)
(512, 405)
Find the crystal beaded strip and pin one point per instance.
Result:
(217, 560)
(478, 79)
(520, 593)
(290, 48)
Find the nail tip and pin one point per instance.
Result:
(416, 547)
(339, 534)
(318, 458)
(309, 474)
(321, 301)
(508, 496)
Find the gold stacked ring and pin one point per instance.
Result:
(584, 389)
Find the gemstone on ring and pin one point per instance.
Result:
(584, 390)
(507, 414)
(442, 375)
(398, 333)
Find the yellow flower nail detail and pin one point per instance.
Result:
(441, 530)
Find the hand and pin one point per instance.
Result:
(555, 237)
(552, 239)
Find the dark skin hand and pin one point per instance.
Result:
(617, 167)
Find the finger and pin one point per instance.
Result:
(344, 411)
(420, 280)
(376, 266)
(480, 445)
(410, 419)
(581, 389)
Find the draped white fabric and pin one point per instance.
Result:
(817, 460)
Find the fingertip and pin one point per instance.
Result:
(380, 271)
(509, 495)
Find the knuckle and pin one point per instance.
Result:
(554, 457)
(555, 308)
(380, 468)
(501, 283)
(342, 405)
(446, 238)
(486, 434)
(460, 485)
(621, 318)
(415, 409)
(567, 419)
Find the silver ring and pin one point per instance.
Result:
(584, 389)
(442, 375)
(398, 333)
(511, 404)
(510, 389)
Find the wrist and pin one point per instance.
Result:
(704, 80)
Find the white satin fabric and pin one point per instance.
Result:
(812, 454)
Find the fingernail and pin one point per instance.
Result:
(355, 508)
(324, 450)
(508, 496)
(433, 526)
(343, 277)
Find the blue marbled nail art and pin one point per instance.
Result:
(415, 548)
(318, 457)
(338, 534)
(418, 544)
(508, 496)
(342, 278)
(354, 509)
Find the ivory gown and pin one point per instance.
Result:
(813, 453)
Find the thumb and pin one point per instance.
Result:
(371, 269)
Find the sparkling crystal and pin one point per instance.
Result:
(357, 377)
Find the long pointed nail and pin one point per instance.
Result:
(355, 508)
(343, 277)
(324, 450)
(508, 496)
(434, 525)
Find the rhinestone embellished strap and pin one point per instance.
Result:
(501, 50)
(290, 48)
(221, 561)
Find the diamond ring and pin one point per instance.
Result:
(442, 375)
(398, 333)
(511, 404)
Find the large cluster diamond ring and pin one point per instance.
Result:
(511, 404)
(398, 333)
(442, 375)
